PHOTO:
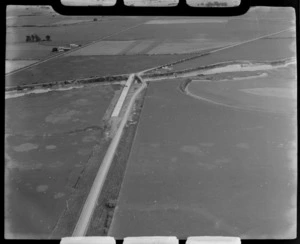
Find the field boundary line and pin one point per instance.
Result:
(216, 50)
(152, 46)
(91, 201)
(130, 47)
(72, 50)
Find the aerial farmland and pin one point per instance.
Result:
(180, 126)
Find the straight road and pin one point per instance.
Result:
(90, 203)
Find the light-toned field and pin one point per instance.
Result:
(127, 2)
(142, 47)
(45, 20)
(148, 47)
(103, 48)
(153, 3)
(26, 51)
(69, 22)
(201, 3)
(273, 92)
(187, 46)
(260, 50)
(88, 3)
(186, 21)
(11, 65)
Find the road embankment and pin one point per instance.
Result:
(96, 189)
(64, 83)
(108, 199)
(230, 66)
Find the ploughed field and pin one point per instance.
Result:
(50, 139)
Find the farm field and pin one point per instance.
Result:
(51, 141)
(197, 3)
(274, 90)
(11, 65)
(210, 169)
(126, 2)
(13, 11)
(27, 51)
(103, 48)
(90, 2)
(80, 33)
(151, 47)
(187, 35)
(187, 46)
(212, 28)
(215, 154)
(63, 30)
(260, 50)
(76, 67)
(209, 152)
(153, 3)
(45, 20)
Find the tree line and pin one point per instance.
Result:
(36, 38)
(215, 4)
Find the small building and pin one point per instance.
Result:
(74, 45)
(63, 49)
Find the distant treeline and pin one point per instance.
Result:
(214, 4)
(93, 79)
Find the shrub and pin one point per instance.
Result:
(110, 214)
(111, 203)
(105, 230)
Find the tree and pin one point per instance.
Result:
(28, 39)
(37, 38)
(48, 38)
(216, 4)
